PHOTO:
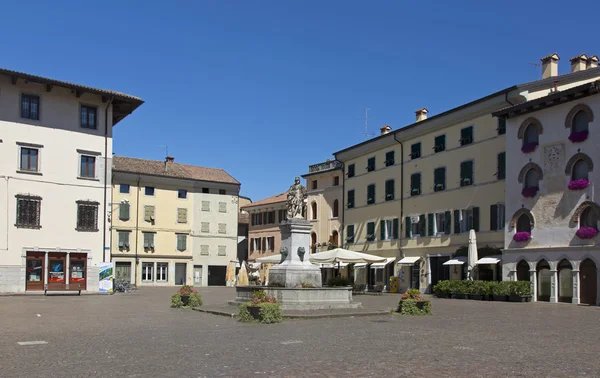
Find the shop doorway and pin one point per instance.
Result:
(216, 275)
(588, 276)
(35, 271)
(180, 273)
(414, 276)
(123, 271)
(522, 271)
(439, 271)
(197, 275)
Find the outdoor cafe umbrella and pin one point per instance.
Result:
(243, 276)
(340, 255)
(472, 254)
(230, 275)
(273, 259)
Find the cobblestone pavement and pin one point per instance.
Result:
(138, 335)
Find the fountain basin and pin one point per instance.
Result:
(302, 299)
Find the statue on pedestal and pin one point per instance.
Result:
(296, 196)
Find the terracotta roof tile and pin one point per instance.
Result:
(282, 197)
(176, 170)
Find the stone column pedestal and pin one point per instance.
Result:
(296, 269)
(554, 286)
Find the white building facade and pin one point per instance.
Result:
(56, 144)
(552, 211)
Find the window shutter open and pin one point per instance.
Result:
(124, 211)
(146, 240)
(430, 224)
(448, 221)
(264, 244)
(501, 166)
(476, 219)
(408, 227)
(121, 240)
(382, 230)
(457, 221)
(251, 245)
(395, 228)
(422, 229)
(494, 217)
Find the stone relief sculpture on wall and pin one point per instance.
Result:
(295, 200)
(284, 253)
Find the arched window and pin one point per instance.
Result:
(524, 223)
(336, 208)
(531, 134)
(313, 242)
(522, 271)
(334, 239)
(544, 280)
(581, 170)
(589, 218)
(581, 122)
(313, 208)
(565, 281)
(532, 179)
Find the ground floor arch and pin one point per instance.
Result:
(522, 271)
(588, 277)
(544, 281)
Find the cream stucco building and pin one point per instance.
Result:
(413, 194)
(56, 148)
(172, 223)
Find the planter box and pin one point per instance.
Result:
(254, 311)
(461, 296)
(476, 297)
(186, 300)
(420, 305)
(499, 298)
(487, 297)
(443, 295)
(519, 298)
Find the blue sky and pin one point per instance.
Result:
(263, 89)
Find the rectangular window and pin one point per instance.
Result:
(389, 158)
(336, 180)
(181, 242)
(371, 164)
(88, 167)
(351, 169)
(497, 217)
(501, 166)
(440, 143)
(147, 269)
(271, 243)
(29, 159)
(415, 184)
(371, 231)
(257, 245)
(466, 136)
(441, 224)
(123, 240)
(87, 216)
(371, 194)
(468, 219)
(124, 188)
(30, 107)
(314, 184)
(88, 117)
(205, 205)
(124, 211)
(181, 215)
(205, 190)
(389, 190)
(350, 233)
(222, 207)
(439, 179)
(501, 126)
(222, 191)
(149, 213)
(28, 211)
(387, 229)
(204, 227)
(270, 217)
(466, 173)
(221, 251)
(415, 226)
(148, 240)
(204, 250)
(350, 199)
(181, 193)
(282, 215)
(162, 270)
(222, 228)
(415, 150)
(149, 190)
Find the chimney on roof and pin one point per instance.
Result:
(550, 65)
(385, 129)
(592, 62)
(421, 114)
(578, 63)
(168, 162)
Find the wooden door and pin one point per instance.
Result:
(78, 271)
(56, 271)
(588, 285)
(35, 270)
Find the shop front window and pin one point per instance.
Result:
(147, 271)
(56, 271)
(77, 271)
(34, 270)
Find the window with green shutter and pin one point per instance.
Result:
(493, 217)
(382, 230)
(466, 173)
(501, 166)
(415, 150)
(501, 126)
(371, 231)
(181, 242)
(124, 211)
(181, 215)
(149, 215)
(389, 158)
(395, 230)
(148, 240)
(407, 227)
(466, 136)
(124, 240)
(421, 230)
(389, 190)
(439, 179)
(350, 233)
(457, 221)
(371, 194)
(439, 143)
(350, 199)
(448, 220)
(476, 219)
(351, 170)
(430, 225)
(415, 184)
(371, 164)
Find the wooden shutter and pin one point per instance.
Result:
(395, 228)
(124, 211)
(205, 205)
(123, 242)
(222, 207)
(272, 243)
(448, 222)
(476, 219)
(181, 242)
(382, 230)
(148, 213)
(430, 220)
(181, 215)
(221, 251)
(370, 231)
(371, 193)
(350, 232)
(251, 245)
(222, 228)
(457, 221)
(494, 217)
(407, 226)
(204, 250)
(501, 166)
(264, 244)
(422, 230)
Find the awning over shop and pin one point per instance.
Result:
(334, 266)
(382, 265)
(488, 260)
(409, 260)
(460, 260)
(360, 265)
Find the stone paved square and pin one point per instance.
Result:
(138, 335)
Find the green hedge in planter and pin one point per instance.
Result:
(483, 288)
(413, 303)
(268, 313)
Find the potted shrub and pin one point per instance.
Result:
(413, 303)
(461, 290)
(476, 290)
(500, 291)
(262, 308)
(186, 296)
(185, 292)
(586, 233)
(519, 291)
(487, 289)
(442, 289)
(521, 237)
(579, 184)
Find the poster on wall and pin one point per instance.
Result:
(106, 277)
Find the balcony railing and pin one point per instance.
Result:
(325, 166)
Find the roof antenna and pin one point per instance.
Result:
(537, 65)
(166, 150)
(366, 134)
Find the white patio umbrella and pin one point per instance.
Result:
(340, 255)
(472, 254)
(273, 259)
(243, 276)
